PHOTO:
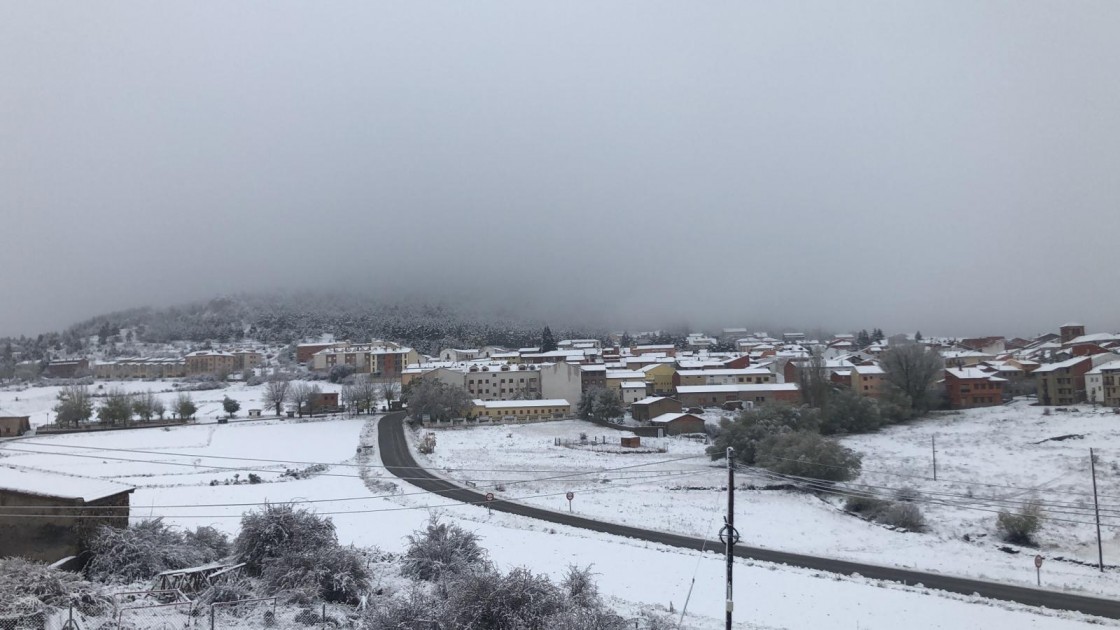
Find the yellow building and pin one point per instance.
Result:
(661, 377)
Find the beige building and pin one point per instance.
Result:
(140, 367)
(522, 409)
(869, 380)
(381, 358)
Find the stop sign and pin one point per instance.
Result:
(1038, 562)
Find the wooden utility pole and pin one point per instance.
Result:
(1097, 509)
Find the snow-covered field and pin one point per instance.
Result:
(175, 467)
(987, 446)
(39, 402)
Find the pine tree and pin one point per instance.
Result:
(877, 335)
(548, 342)
(918, 336)
(863, 339)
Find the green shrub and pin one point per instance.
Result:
(807, 454)
(746, 433)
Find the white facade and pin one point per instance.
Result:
(561, 381)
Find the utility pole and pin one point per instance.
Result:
(933, 447)
(1097, 509)
(728, 534)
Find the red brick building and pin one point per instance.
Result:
(972, 387)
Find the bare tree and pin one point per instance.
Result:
(305, 397)
(389, 392)
(277, 391)
(365, 392)
(814, 380)
(912, 369)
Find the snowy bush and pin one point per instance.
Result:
(24, 583)
(337, 574)
(232, 591)
(905, 516)
(148, 548)
(1019, 528)
(580, 586)
(869, 507)
(907, 494)
(517, 600)
(441, 549)
(275, 530)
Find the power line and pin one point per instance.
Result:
(344, 512)
(265, 460)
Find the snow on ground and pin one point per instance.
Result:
(384, 510)
(38, 402)
(686, 496)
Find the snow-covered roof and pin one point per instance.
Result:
(867, 370)
(666, 418)
(633, 385)
(649, 400)
(1093, 338)
(1105, 367)
(626, 374)
(974, 373)
(514, 404)
(47, 484)
(1061, 365)
(726, 372)
(737, 387)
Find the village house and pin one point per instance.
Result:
(868, 380)
(651, 407)
(12, 426)
(973, 387)
(662, 378)
(561, 380)
(678, 423)
(1102, 384)
(632, 391)
(56, 531)
(1063, 383)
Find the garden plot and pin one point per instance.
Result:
(688, 497)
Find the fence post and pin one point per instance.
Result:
(211, 616)
(324, 615)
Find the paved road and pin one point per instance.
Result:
(399, 461)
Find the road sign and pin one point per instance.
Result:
(489, 496)
(1038, 569)
(1038, 562)
(571, 495)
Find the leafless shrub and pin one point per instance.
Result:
(441, 549)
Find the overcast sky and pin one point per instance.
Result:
(944, 166)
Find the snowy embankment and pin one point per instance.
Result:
(173, 470)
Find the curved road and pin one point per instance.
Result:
(399, 461)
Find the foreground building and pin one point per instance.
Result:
(56, 531)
